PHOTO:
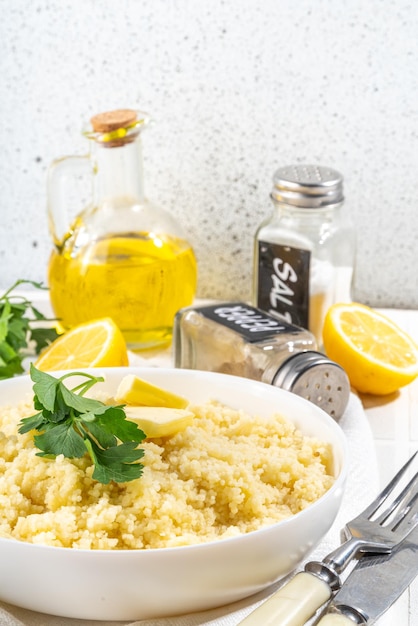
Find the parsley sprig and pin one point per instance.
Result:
(20, 332)
(73, 425)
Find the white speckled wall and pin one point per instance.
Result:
(237, 88)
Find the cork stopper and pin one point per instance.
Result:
(113, 120)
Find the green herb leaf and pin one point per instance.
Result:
(35, 422)
(20, 333)
(114, 422)
(62, 439)
(45, 388)
(83, 405)
(117, 463)
(72, 425)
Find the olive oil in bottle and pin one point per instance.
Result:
(121, 257)
(119, 275)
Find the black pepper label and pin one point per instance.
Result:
(283, 281)
(249, 322)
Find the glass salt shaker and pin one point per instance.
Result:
(304, 251)
(239, 339)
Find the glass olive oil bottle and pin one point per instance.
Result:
(122, 256)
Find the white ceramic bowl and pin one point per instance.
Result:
(135, 584)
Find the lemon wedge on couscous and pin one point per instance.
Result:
(156, 411)
(135, 391)
(98, 343)
(159, 421)
(377, 355)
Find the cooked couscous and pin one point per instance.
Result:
(228, 473)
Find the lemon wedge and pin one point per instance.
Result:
(137, 392)
(98, 343)
(377, 355)
(159, 421)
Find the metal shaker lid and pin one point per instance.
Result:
(308, 186)
(316, 378)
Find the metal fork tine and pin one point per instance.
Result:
(383, 495)
(398, 502)
(410, 518)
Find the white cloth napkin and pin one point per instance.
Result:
(362, 486)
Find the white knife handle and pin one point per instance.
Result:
(293, 604)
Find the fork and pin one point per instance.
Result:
(374, 530)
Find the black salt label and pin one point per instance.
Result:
(283, 281)
(248, 321)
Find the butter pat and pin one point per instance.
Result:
(137, 392)
(159, 421)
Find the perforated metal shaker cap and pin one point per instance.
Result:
(316, 378)
(308, 186)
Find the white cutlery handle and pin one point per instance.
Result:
(334, 619)
(293, 604)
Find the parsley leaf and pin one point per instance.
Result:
(117, 463)
(72, 425)
(62, 439)
(20, 330)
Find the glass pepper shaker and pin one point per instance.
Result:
(304, 251)
(239, 339)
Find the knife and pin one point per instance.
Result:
(374, 585)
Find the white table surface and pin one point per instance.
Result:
(394, 423)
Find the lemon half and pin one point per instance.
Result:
(98, 343)
(377, 355)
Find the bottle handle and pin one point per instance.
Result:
(66, 178)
